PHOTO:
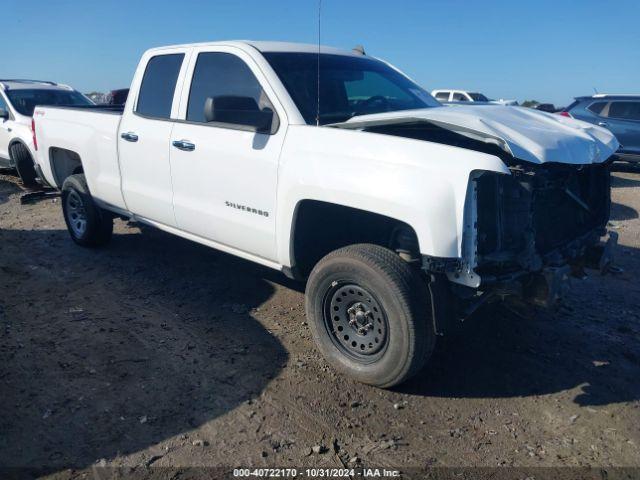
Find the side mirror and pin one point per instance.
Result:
(4, 114)
(240, 111)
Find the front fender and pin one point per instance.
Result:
(421, 183)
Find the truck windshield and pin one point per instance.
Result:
(25, 101)
(349, 86)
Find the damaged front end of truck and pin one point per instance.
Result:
(540, 225)
(525, 233)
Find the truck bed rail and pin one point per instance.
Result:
(117, 109)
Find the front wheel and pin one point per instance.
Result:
(370, 315)
(87, 223)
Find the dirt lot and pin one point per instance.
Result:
(158, 351)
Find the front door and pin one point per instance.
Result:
(225, 177)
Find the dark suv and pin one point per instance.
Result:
(618, 113)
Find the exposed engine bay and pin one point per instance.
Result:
(543, 215)
(540, 225)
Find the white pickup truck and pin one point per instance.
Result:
(401, 215)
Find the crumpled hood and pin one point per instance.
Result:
(526, 134)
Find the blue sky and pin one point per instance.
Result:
(545, 50)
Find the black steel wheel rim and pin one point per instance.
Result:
(355, 321)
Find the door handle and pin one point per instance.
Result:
(183, 145)
(603, 124)
(129, 136)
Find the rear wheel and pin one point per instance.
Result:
(87, 223)
(370, 314)
(24, 165)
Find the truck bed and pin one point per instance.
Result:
(81, 138)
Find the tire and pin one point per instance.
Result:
(88, 224)
(357, 286)
(24, 165)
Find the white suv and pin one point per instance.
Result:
(459, 96)
(18, 99)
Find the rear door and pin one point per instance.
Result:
(145, 130)
(225, 184)
(623, 119)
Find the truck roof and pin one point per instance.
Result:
(20, 84)
(264, 46)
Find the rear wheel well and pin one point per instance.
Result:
(64, 163)
(21, 159)
(322, 227)
(13, 143)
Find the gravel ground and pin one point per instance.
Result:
(158, 351)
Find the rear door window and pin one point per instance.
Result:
(442, 96)
(625, 110)
(597, 107)
(459, 97)
(159, 85)
(478, 97)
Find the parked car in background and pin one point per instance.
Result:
(462, 96)
(546, 107)
(458, 96)
(402, 215)
(117, 97)
(618, 113)
(96, 97)
(18, 98)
